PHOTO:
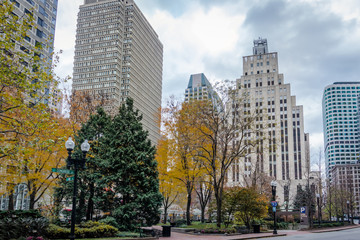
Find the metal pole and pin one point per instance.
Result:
(318, 204)
(274, 194)
(73, 212)
(348, 212)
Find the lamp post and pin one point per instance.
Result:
(348, 214)
(78, 163)
(318, 205)
(273, 190)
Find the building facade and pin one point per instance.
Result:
(341, 124)
(199, 88)
(119, 55)
(283, 154)
(44, 13)
(346, 179)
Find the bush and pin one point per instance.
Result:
(54, 232)
(279, 225)
(17, 224)
(110, 221)
(180, 222)
(88, 229)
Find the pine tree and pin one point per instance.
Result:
(89, 189)
(130, 170)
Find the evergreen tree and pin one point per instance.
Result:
(306, 197)
(89, 189)
(130, 170)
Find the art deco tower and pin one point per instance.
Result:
(119, 55)
(284, 152)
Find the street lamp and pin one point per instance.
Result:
(318, 205)
(273, 190)
(78, 163)
(348, 203)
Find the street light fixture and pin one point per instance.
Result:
(273, 190)
(318, 205)
(348, 213)
(78, 163)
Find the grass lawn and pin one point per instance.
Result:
(200, 225)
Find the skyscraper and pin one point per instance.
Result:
(283, 154)
(341, 124)
(199, 88)
(44, 13)
(119, 55)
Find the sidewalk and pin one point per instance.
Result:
(186, 236)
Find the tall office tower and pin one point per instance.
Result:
(119, 55)
(283, 154)
(44, 12)
(199, 88)
(341, 124)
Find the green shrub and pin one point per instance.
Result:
(89, 229)
(110, 221)
(180, 222)
(54, 232)
(17, 224)
(279, 225)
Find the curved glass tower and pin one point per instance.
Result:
(341, 124)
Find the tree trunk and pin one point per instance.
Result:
(11, 201)
(203, 213)
(165, 215)
(32, 200)
(80, 210)
(90, 205)
(188, 205)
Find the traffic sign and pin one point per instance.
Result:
(303, 210)
(274, 209)
(63, 171)
(70, 179)
(274, 203)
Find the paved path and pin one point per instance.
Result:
(185, 236)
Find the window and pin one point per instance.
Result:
(39, 33)
(31, 2)
(27, 11)
(27, 38)
(40, 22)
(24, 49)
(42, 11)
(16, 3)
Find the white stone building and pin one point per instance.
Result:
(284, 153)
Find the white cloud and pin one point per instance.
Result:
(191, 39)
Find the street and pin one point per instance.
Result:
(351, 234)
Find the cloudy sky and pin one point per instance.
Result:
(318, 42)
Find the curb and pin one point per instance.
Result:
(334, 229)
(264, 236)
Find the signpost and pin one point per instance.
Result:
(304, 220)
(62, 171)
